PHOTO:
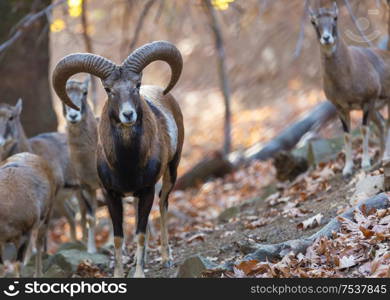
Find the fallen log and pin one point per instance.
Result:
(218, 165)
(272, 251)
(290, 137)
(213, 166)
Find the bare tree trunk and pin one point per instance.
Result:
(25, 66)
(222, 71)
(388, 24)
(89, 48)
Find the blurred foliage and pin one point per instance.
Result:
(75, 8)
(57, 25)
(222, 4)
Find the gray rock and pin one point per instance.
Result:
(29, 269)
(194, 266)
(68, 260)
(324, 150)
(55, 271)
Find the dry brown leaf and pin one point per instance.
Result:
(366, 232)
(247, 267)
(311, 222)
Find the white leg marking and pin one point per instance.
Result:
(366, 164)
(348, 168)
(139, 256)
(38, 262)
(91, 237)
(118, 271)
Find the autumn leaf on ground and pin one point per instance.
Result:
(311, 222)
(196, 237)
(346, 262)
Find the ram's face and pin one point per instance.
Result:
(9, 122)
(77, 92)
(123, 91)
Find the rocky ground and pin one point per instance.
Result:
(210, 240)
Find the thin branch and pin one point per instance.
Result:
(348, 5)
(298, 48)
(159, 11)
(140, 23)
(28, 21)
(88, 48)
(222, 70)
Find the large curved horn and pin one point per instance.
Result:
(149, 53)
(77, 63)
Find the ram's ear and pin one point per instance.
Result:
(18, 107)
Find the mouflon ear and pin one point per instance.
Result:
(87, 81)
(18, 107)
(311, 12)
(335, 9)
(312, 15)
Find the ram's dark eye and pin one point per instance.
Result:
(107, 90)
(138, 86)
(11, 118)
(85, 93)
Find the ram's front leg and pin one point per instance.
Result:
(145, 202)
(346, 121)
(115, 207)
